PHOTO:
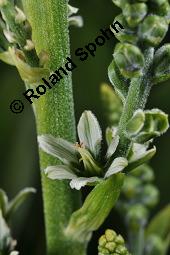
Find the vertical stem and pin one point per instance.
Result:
(137, 97)
(136, 241)
(55, 115)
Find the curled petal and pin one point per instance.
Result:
(75, 21)
(78, 183)
(140, 155)
(113, 146)
(117, 166)
(59, 172)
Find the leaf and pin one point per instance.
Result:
(3, 202)
(89, 132)
(60, 148)
(160, 224)
(95, 209)
(18, 200)
(119, 83)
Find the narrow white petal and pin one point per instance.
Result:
(113, 146)
(59, 172)
(80, 182)
(58, 147)
(117, 166)
(89, 132)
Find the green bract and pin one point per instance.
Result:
(153, 30)
(129, 59)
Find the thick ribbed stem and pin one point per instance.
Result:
(55, 115)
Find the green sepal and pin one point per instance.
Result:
(129, 59)
(95, 209)
(153, 30)
(161, 64)
(18, 200)
(134, 13)
(118, 81)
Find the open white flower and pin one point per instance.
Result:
(83, 163)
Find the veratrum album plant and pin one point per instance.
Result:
(114, 163)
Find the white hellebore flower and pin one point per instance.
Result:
(83, 163)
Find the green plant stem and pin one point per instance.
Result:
(138, 93)
(136, 240)
(55, 115)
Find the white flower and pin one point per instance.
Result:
(83, 163)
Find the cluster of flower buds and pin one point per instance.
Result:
(111, 243)
(138, 196)
(7, 243)
(112, 105)
(145, 25)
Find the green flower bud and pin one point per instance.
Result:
(148, 126)
(135, 13)
(162, 64)
(130, 187)
(153, 30)
(127, 34)
(163, 10)
(137, 216)
(111, 243)
(154, 245)
(144, 172)
(120, 3)
(129, 59)
(158, 2)
(112, 104)
(150, 195)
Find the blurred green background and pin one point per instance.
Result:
(18, 150)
